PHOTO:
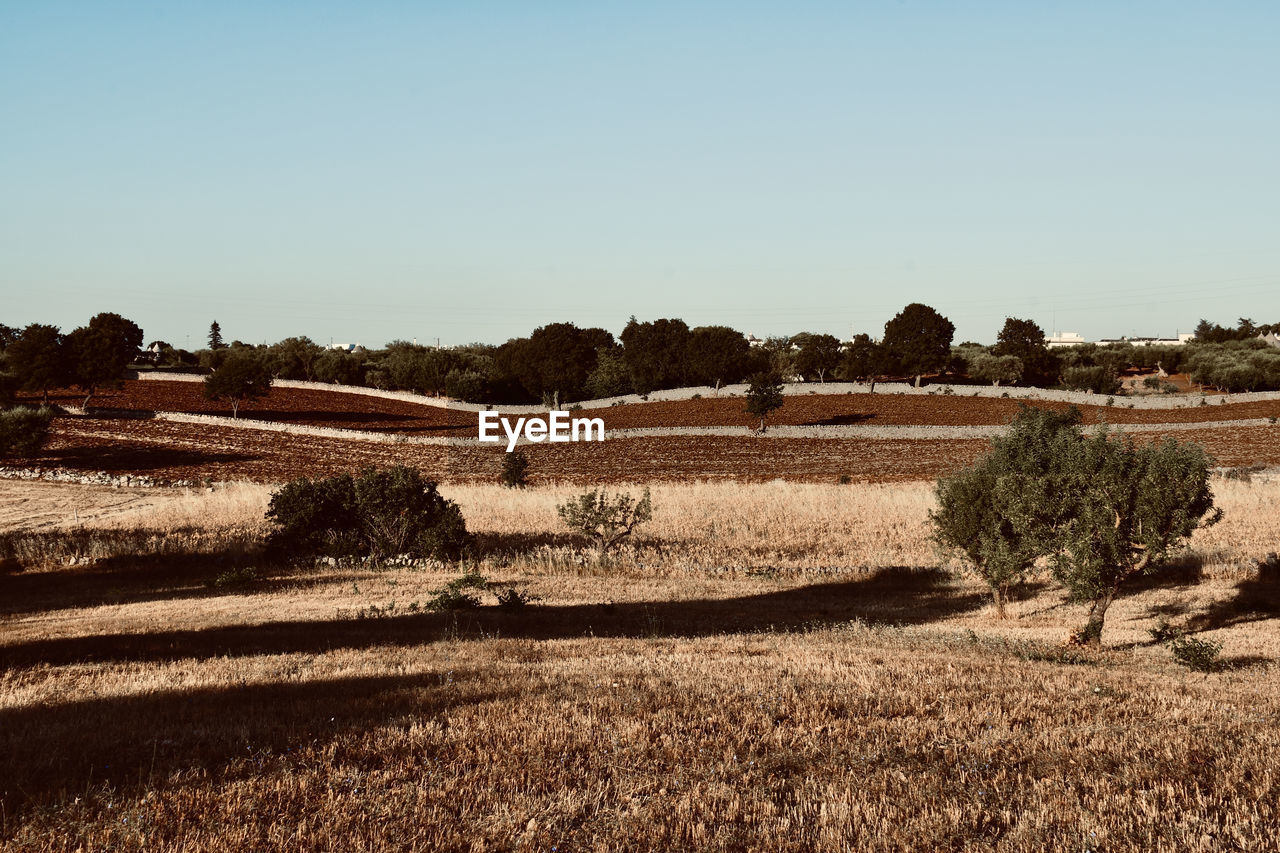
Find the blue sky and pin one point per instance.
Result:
(367, 172)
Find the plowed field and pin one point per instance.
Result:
(181, 451)
(374, 414)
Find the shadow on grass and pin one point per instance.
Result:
(888, 597)
(132, 578)
(53, 753)
(1256, 599)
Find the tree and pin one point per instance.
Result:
(818, 355)
(603, 520)
(717, 355)
(610, 378)
(1000, 513)
(764, 396)
(919, 340)
(294, 358)
(559, 357)
(339, 368)
(778, 355)
(99, 352)
(215, 337)
(1099, 379)
(242, 376)
(8, 334)
(38, 359)
(1024, 340)
(864, 359)
(1128, 507)
(995, 368)
(656, 353)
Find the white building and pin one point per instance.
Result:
(1064, 339)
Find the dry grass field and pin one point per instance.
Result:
(773, 666)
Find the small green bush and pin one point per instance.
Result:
(1196, 654)
(513, 599)
(515, 468)
(455, 596)
(24, 430)
(605, 521)
(235, 578)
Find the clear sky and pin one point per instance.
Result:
(468, 171)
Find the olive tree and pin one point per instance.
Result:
(242, 376)
(1130, 507)
(999, 514)
(1103, 510)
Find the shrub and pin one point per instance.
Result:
(24, 430)
(603, 520)
(1163, 632)
(378, 513)
(455, 596)
(513, 599)
(515, 469)
(1197, 654)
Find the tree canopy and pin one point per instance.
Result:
(918, 340)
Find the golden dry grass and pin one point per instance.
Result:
(779, 525)
(656, 703)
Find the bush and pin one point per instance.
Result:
(515, 469)
(378, 513)
(455, 596)
(24, 430)
(1196, 654)
(605, 521)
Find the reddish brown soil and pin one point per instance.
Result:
(286, 405)
(173, 451)
(903, 410)
(355, 411)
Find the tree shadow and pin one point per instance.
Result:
(1246, 662)
(134, 578)
(51, 752)
(1256, 599)
(895, 596)
(841, 420)
(136, 458)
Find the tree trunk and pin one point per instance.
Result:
(1092, 631)
(918, 380)
(1001, 595)
(873, 386)
(235, 409)
(762, 427)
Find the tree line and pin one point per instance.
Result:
(562, 363)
